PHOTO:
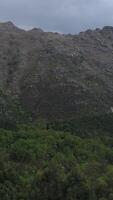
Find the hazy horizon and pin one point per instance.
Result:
(65, 16)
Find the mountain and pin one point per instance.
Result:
(57, 75)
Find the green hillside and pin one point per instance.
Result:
(52, 165)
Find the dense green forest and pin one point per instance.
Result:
(57, 160)
(41, 164)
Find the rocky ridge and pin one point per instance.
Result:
(56, 75)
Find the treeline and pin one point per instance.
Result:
(11, 112)
(86, 125)
(54, 160)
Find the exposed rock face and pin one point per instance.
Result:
(57, 75)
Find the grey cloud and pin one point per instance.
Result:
(58, 15)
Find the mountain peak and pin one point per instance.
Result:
(35, 30)
(8, 26)
(8, 23)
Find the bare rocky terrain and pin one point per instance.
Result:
(56, 75)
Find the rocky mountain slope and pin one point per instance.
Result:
(56, 75)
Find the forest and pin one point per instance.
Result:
(57, 160)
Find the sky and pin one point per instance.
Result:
(65, 16)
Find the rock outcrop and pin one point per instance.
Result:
(57, 75)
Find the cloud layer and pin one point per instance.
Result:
(68, 16)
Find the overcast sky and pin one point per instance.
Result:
(67, 16)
